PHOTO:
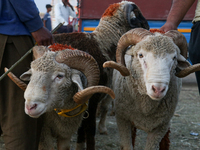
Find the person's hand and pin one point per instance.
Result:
(43, 37)
(168, 26)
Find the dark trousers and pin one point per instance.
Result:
(194, 48)
(65, 29)
(20, 132)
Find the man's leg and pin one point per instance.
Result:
(20, 132)
(194, 48)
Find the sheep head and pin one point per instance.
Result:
(155, 59)
(127, 14)
(55, 78)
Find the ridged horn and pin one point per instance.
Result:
(131, 37)
(81, 61)
(180, 40)
(82, 96)
(16, 80)
(183, 73)
(122, 69)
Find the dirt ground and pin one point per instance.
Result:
(185, 125)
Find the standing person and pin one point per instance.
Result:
(47, 18)
(19, 22)
(62, 12)
(178, 10)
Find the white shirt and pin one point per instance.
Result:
(197, 12)
(62, 13)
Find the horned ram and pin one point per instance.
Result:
(101, 44)
(147, 84)
(60, 84)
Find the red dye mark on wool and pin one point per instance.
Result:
(44, 88)
(156, 30)
(58, 47)
(111, 10)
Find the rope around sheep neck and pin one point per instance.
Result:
(64, 111)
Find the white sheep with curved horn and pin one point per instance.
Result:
(147, 96)
(117, 19)
(59, 84)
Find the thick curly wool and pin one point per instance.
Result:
(46, 63)
(158, 43)
(111, 28)
(132, 103)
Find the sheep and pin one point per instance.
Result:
(101, 44)
(56, 78)
(147, 90)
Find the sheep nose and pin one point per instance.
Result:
(31, 106)
(158, 90)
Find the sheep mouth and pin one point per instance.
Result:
(156, 97)
(36, 115)
(35, 111)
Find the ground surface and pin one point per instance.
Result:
(184, 125)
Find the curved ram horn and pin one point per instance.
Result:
(188, 70)
(84, 95)
(180, 40)
(138, 20)
(131, 37)
(16, 80)
(122, 69)
(81, 61)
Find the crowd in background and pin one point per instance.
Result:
(63, 12)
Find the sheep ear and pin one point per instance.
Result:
(182, 62)
(76, 78)
(38, 51)
(26, 75)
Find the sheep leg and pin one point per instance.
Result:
(165, 142)
(88, 133)
(112, 110)
(102, 123)
(87, 130)
(133, 135)
(90, 125)
(124, 128)
(63, 143)
(154, 137)
(104, 106)
(80, 145)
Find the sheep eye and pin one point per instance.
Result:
(174, 57)
(60, 76)
(140, 56)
